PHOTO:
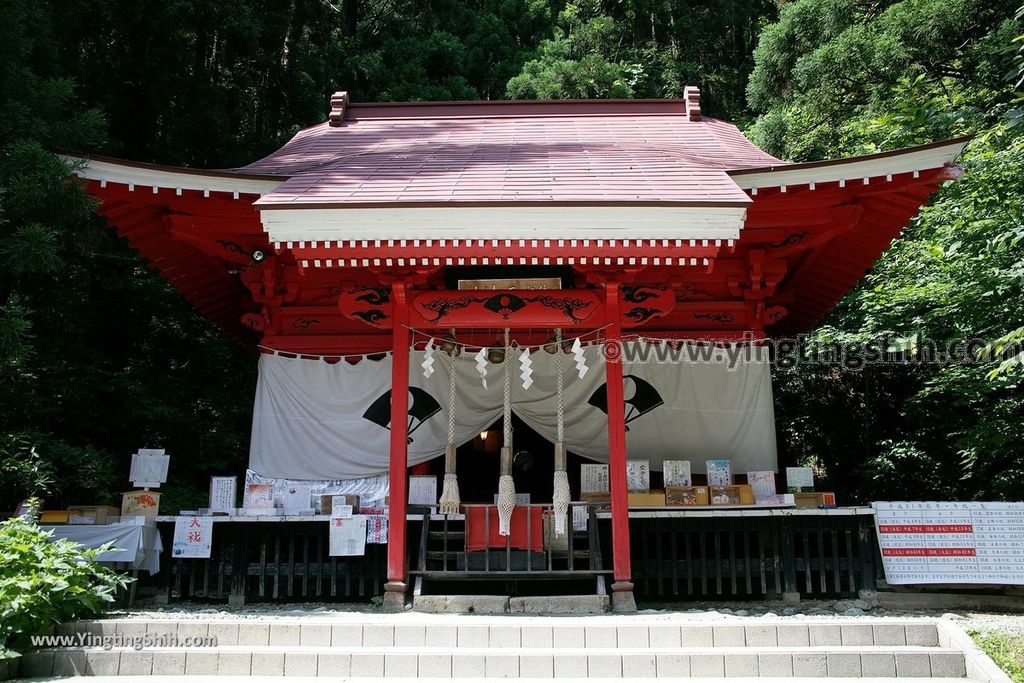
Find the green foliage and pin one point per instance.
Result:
(98, 356)
(1005, 649)
(647, 49)
(837, 77)
(44, 582)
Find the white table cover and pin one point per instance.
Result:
(136, 546)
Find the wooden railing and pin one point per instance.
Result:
(467, 547)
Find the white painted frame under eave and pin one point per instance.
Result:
(155, 178)
(504, 222)
(856, 169)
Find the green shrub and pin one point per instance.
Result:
(45, 582)
(1005, 649)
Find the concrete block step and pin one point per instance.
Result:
(498, 662)
(329, 679)
(445, 631)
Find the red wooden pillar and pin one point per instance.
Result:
(394, 589)
(622, 588)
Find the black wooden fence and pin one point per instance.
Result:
(673, 559)
(695, 558)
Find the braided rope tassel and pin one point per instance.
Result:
(450, 501)
(506, 485)
(561, 492)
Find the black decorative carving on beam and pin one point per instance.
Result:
(791, 239)
(721, 318)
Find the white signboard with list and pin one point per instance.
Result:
(951, 542)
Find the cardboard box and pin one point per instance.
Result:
(725, 495)
(90, 514)
(646, 499)
(53, 516)
(604, 497)
(325, 504)
(746, 494)
(686, 495)
(815, 500)
(140, 503)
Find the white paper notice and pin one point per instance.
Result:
(762, 483)
(580, 517)
(348, 536)
(638, 475)
(222, 493)
(677, 473)
(296, 499)
(594, 479)
(192, 536)
(340, 510)
(947, 542)
(423, 490)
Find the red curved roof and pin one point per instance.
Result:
(806, 232)
(572, 151)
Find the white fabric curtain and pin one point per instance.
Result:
(315, 420)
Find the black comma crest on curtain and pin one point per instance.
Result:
(422, 407)
(639, 397)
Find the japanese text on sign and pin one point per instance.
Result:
(951, 542)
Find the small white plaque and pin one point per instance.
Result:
(222, 493)
(192, 536)
(348, 536)
(594, 478)
(423, 490)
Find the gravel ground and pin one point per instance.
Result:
(844, 610)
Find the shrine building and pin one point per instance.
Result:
(416, 275)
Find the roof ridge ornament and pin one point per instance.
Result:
(339, 102)
(692, 96)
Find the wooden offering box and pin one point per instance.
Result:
(815, 500)
(686, 495)
(735, 494)
(646, 499)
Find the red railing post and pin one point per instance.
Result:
(394, 589)
(622, 588)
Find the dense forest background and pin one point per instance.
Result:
(99, 357)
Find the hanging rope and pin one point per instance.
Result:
(559, 382)
(450, 501)
(561, 492)
(506, 485)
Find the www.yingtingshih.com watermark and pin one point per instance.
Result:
(792, 352)
(121, 640)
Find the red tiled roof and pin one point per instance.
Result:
(515, 152)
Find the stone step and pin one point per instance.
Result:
(496, 662)
(329, 679)
(476, 631)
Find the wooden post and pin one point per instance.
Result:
(394, 589)
(622, 588)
